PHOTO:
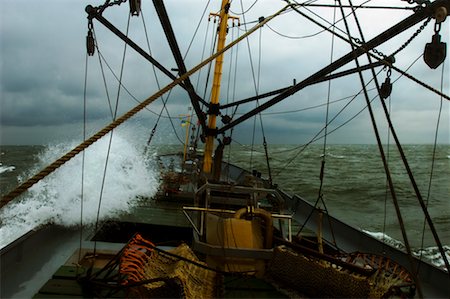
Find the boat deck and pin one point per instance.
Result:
(65, 284)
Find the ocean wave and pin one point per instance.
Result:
(386, 239)
(333, 156)
(430, 254)
(57, 198)
(4, 169)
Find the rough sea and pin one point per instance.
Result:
(354, 185)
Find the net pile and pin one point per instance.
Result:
(165, 276)
(318, 278)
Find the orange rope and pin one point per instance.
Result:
(134, 258)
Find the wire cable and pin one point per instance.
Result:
(116, 108)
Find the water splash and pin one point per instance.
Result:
(431, 254)
(4, 169)
(56, 199)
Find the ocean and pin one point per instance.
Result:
(354, 185)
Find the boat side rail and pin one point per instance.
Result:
(200, 231)
(233, 188)
(434, 281)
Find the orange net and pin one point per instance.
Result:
(159, 274)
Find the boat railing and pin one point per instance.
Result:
(200, 230)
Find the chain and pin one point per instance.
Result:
(108, 3)
(420, 2)
(418, 31)
(384, 56)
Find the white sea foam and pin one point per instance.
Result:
(4, 169)
(386, 239)
(431, 254)
(56, 199)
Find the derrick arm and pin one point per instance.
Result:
(412, 20)
(170, 35)
(95, 13)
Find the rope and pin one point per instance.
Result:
(432, 165)
(196, 29)
(103, 76)
(316, 136)
(164, 107)
(244, 12)
(266, 151)
(322, 168)
(387, 185)
(254, 83)
(415, 187)
(383, 157)
(82, 146)
(378, 58)
(83, 156)
(116, 108)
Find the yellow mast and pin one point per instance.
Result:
(209, 146)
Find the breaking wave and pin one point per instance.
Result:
(430, 254)
(56, 199)
(4, 169)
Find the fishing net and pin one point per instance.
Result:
(315, 277)
(159, 275)
(318, 278)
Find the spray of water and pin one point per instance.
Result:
(57, 198)
(430, 254)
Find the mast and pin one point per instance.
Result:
(211, 131)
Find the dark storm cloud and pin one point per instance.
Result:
(43, 62)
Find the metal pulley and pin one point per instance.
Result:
(386, 88)
(440, 14)
(435, 52)
(90, 44)
(135, 7)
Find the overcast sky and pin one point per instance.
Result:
(43, 66)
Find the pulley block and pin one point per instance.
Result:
(135, 7)
(226, 119)
(435, 52)
(386, 88)
(90, 44)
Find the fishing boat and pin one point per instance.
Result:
(214, 229)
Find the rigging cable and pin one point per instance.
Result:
(116, 108)
(83, 157)
(157, 84)
(120, 120)
(230, 76)
(196, 29)
(164, 107)
(382, 154)
(317, 137)
(410, 174)
(433, 159)
(124, 87)
(386, 194)
(234, 92)
(103, 75)
(266, 151)
(200, 71)
(322, 167)
(244, 12)
(203, 53)
(375, 51)
(254, 85)
(138, 101)
(213, 45)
